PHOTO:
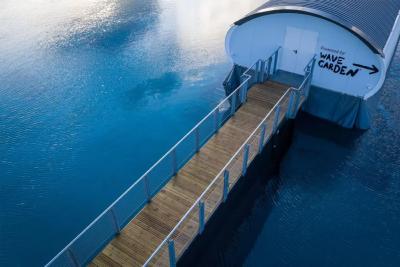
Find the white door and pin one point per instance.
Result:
(298, 49)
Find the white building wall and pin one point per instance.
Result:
(260, 37)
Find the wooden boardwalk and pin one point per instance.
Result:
(146, 231)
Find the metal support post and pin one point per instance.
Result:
(115, 221)
(171, 250)
(276, 119)
(201, 217)
(147, 188)
(226, 185)
(245, 159)
(262, 136)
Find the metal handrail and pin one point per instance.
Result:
(214, 180)
(307, 76)
(170, 151)
(273, 55)
(198, 200)
(310, 64)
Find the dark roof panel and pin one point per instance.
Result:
(370, 20)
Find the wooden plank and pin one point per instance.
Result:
(145, 232)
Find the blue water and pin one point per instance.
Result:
(92, 93)
(336, 200)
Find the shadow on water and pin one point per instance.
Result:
(239, 231)
(153, 89)
(311, 136)
(321, 129)
(231, 232)
(234, 249)
(334, 201)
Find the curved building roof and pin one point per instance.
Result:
(370, 20)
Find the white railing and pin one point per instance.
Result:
(110, 222)
(192, 223)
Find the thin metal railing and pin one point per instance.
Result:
(261, 68)
(290, 113)
(196, 203)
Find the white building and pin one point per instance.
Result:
(354, 42)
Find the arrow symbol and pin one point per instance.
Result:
(373, 69)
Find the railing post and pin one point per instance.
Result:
(174, 163)
(147, 188)
(313, 65)
(241, 93)
(289, 112)
(216, 120)
(296, 103)
(201, 217)
(262, 71)
(72, 257)
(226, 185)
(255, 75)
(276, 60)
(245, 86)
(115, 221)
(246, 89)
(311, 72)
(308, 85)
(258, 71)
(171, 251)
(233, 104)
(197, 136)
(245, 159)
(262, 136)
(276, 119)
(269, 67)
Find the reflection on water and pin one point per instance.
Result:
(49, 23)
(155, 88)
(92, 93)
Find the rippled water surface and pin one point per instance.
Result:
(92, 93)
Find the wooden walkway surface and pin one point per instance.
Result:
(146, 231)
